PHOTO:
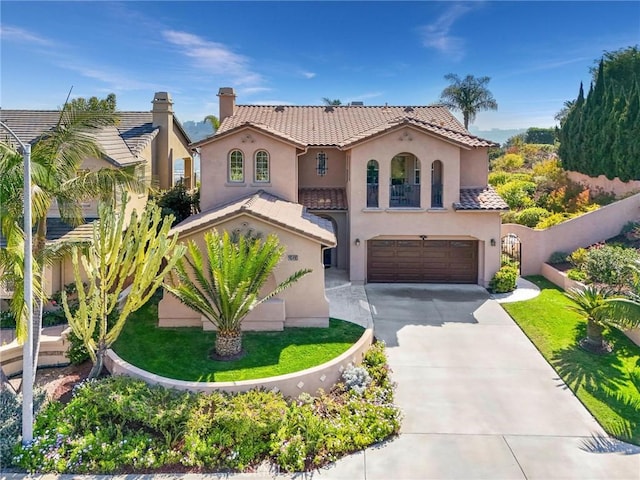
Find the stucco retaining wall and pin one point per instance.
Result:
(291, 385)
(616, 186)
(561, 280)
(597, 226)
(53, 349)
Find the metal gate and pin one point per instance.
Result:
(511, 250)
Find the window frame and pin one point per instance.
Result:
(256, 168)
(230, 167)
(321, 163)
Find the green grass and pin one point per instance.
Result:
(608, 385)
(183, 353)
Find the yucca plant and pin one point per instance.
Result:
(225, 285)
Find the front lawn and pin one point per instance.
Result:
(183, 353)
(609, 385)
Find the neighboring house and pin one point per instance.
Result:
(148, 142)
(403, 189)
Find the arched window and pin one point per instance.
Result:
(372, 184)
(236, 166)
(261, 170)
(436, 184)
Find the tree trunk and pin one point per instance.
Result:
(228, 344)
(594, 334)
(96, 370)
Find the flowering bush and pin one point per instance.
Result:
(119, 424)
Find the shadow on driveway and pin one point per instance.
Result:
(396, 306)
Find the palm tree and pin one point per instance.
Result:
(228, 286)
(331, 102)
(469, 96)
(601, 309)
(213, 120)
(56, 175)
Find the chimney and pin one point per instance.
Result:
(162, 161)
(227, 102)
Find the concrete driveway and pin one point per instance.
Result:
(479, 399)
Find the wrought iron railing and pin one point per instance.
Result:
(405, 195)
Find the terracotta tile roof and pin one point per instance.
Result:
(121, 144)
(344, 125)
(288, 215)
(481, 198)
(323, 198)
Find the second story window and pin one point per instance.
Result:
(321, 164)
(236, 166)
(261, 172)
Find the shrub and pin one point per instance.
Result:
(578, 257)
(631, 231)
(498, 178)
(517, 193)
(11, 421)
(530, 217)
(557, 257)
(577, 275)
(356, 379)
(551, 220)
(119, 424)
(508, 162)
(504, 280)
(610, 265)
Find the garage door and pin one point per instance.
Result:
(422, 261)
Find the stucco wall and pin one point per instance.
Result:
(474, 167)
(336, 175)
(616, 185)
(305, 303)
(291, 385)
(405, 223)
(216, 189)
(53, 350)
(426, 148)
(597, 226)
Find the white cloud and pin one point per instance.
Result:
(115, 80)
(214, 57)
(23, 36)
(308, 75)
(437, 35)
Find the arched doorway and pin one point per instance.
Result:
(511, 250)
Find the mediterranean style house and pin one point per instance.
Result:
(388, 193)
(150, 142)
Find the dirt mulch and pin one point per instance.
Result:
(58, 382)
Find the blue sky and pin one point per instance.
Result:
(536, 53)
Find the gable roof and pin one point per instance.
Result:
(122, 143)
(342, 126)
(262, 205)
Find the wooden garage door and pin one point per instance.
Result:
(422, 261)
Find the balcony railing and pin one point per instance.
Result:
(372, 195)
(405, 195)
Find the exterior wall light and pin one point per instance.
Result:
(493, 242)
(357, 242)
